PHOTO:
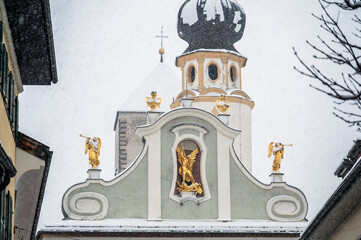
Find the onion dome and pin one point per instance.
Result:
(211, 24)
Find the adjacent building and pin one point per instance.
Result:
(26, 58)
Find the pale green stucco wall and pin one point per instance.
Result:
(249, 201)
(127, 198)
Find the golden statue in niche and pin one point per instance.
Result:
(223, 105)
(186, 171)
(93, 147)
(153, 102)
(277, 150)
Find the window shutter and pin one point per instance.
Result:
(1, 31)
(2, 215)
(6, 88)
(12, 100)
(1, 52)
(5, 73)
(16, 117)
(1, 66)
(9, 216)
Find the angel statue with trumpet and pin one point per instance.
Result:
(277, 150)
(93, 145)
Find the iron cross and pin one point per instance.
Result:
(161, 36)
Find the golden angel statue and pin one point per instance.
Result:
(186, 171)
(93, 145)
(277, 150)
(153, 102)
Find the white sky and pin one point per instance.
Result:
(105, 48)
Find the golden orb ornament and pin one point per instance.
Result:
(161, 51)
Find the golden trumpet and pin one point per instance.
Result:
(83, 136)
(289, 145)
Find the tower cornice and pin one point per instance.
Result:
(201, 54)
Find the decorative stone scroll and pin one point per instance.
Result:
(87, 206)
(285, 208)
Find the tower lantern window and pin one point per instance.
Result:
(213, 72)
(233, 74)
(191, 74)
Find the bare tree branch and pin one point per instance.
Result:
(349, 117)
(342, 51)
(346, 4)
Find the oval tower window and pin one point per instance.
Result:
(213, 71)
(233, 74)
(191, 74)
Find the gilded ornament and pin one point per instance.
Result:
(153, 102)
(277, 150)
(186, 171)
(223, 105)
(161, 51)
(92, 146)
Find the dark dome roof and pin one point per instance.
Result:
(211, 24)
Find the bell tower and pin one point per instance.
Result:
(211, 66)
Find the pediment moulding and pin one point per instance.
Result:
(147, 130)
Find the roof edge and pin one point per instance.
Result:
(334, 200)
(51, 48)
(33, 146)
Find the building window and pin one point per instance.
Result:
(191, 74)
(213, 71)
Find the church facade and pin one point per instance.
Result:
(192, 176)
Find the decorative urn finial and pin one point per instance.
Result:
(211, 24)
(153, 102)
(223, 105)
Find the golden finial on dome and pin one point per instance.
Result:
(161, 49)
(153, 102)
(222, 105)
